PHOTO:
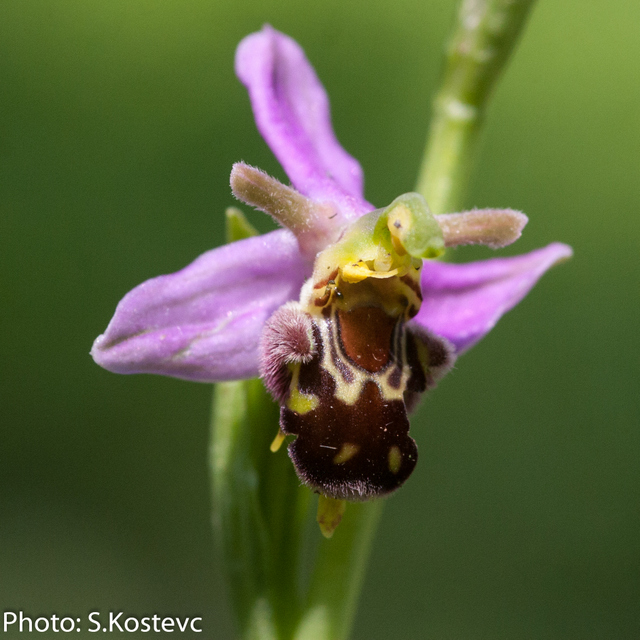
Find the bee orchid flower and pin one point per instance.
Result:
(343, 312)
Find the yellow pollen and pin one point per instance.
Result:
(347, 452)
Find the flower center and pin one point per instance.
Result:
(346, 403)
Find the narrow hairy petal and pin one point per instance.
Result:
(494, 228)
(314, 224)
(292, 113)
(204, 322)
(463, 302)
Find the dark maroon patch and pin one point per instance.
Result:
(418, 379)
(310, 377)
(395, 377)
(372, 427)
(366, 336)
(438, 353)
(338, 362)
(426, 368)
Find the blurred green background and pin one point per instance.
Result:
(119, 123)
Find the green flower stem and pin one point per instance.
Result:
(260, 511)
(485, 35)
(263, 520)
(339, 573)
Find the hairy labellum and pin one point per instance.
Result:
(345, 398)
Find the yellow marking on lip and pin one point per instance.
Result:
(395, 459)
(299, 402)
(346, 452)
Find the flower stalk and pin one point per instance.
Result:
(260, 512)
(485, 35)
(261, 520)
(259, 508)
(339, 574)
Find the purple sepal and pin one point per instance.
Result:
(463, 302)
(291, 109)
(204, 322)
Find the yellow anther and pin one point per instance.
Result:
(300, 402)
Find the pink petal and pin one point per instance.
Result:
(204, 322)
(463, 302)
(292, 113)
